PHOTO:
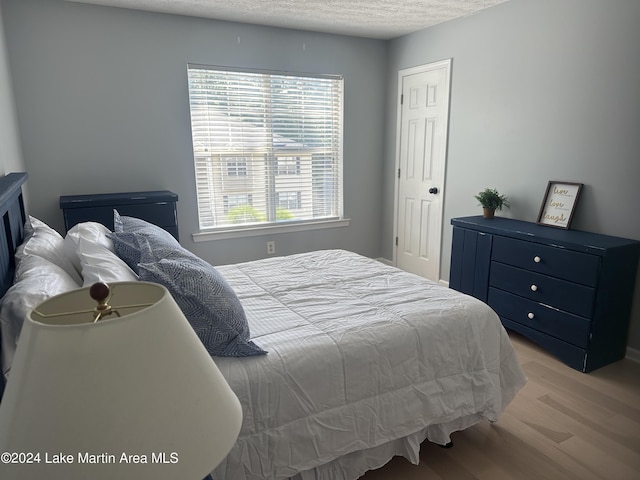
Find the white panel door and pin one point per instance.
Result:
(422, 149)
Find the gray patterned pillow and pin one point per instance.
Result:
(204, 296)
(131, 235)
(124, 224)
(127, 247)
(207, 301)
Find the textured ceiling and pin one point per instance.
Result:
(383, 19)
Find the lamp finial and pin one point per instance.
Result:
(101, 293)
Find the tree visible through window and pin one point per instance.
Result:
(267, 147)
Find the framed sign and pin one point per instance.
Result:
(559, 204)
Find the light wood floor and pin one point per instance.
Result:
(562, 425)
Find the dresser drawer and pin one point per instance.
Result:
(557, 293)
(553, 261)
(563, 325)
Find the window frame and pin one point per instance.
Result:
(236, 166)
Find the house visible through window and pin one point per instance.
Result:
(237, 167)
(267, 147)
(289, 200)
(231, 202)
(288, 165)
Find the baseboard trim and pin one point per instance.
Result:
(385, 261)
(633, 354)
(389, 262)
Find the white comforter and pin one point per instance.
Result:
(360, 354)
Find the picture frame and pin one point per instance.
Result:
(559, 204)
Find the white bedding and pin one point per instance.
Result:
(360, 354)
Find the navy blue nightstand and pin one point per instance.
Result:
(157, 207)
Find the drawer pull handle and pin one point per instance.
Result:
(534, 288)
(530, 315)
(537, 259)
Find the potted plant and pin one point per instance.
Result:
(491, 201)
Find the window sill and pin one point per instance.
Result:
(268, 230)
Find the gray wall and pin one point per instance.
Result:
(102, 103)
(10, 151)
(541, 90)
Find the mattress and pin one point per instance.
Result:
(362, 356)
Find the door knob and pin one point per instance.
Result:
(433, 190)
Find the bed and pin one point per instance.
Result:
(355, 361)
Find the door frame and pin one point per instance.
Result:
(401, 74)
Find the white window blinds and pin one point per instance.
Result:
(267, 147)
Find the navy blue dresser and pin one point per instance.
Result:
(157, 207)
(567, 290)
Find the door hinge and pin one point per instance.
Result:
(402, 99)
(396, 241)
(398, 173)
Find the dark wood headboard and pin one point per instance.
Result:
(13, 219)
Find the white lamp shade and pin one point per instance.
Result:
(131, 397)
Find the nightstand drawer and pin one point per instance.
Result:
(568, 296)
(568, 327)
(553, 261)
(157, 207)
(161, 214)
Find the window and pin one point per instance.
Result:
(288, 166)
(237, 167)
(267, 147)
(289, 200)
(231, 202)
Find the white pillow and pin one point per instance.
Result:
(94, 255)
(43, 241)
(100, 264)
(92, 231)
(36, 279)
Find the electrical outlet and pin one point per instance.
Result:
(271, 247)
